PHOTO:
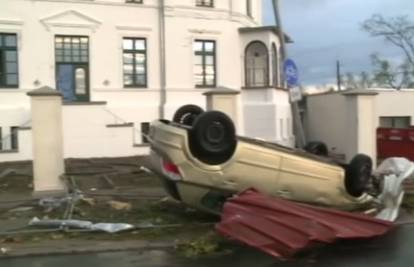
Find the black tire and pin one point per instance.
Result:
(187, 114)
(358, 175)
(212, 138)
(317, 148)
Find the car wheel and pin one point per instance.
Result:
(212, 138)
(187, 114)
(358, 174)
(317, 148)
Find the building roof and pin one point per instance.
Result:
(273, 29)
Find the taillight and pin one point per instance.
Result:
(171, 170)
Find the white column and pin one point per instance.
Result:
(227, 101)
(47, 132)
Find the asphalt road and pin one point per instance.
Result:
(396, 249)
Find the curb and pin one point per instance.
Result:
(52, 248)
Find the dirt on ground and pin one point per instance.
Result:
(109, 191)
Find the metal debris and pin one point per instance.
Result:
(79, 224)
(395, 171)
(282, 228)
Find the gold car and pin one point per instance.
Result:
(202, 162)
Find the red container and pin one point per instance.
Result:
(395, 143)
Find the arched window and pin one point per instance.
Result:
(257, 65)
(275, 66)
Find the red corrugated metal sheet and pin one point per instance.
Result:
(281, 228)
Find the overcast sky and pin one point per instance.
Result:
(328, 30)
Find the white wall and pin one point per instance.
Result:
(392, 103)
(346, 123)
(106, 22)
(332, 119)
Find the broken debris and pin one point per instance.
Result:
(282, 228)
(79, 224)
(118, 205)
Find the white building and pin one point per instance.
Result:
(347, 121)
(123, 63)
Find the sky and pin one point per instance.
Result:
(325, 31)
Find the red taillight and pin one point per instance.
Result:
(170, 167)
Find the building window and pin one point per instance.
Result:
(145, 128)
(134, 1)
(72, 67)
(14, 143)
(206, 3)
(135, 62)
(205, 63)
(275, 66)
(249, 8)
(395, 122)
(256, 65)
(72, 49)
(9, 77)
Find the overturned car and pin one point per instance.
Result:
(202, 162)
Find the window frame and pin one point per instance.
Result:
(267, 78)
(205, 3)
(203, 55)
(145, 128)
(393, 121)
(14, 138)
(133, 52)
(77, 64)
(276, 75)
(63, 61)
(3, 62)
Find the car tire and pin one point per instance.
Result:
(317, 148)
(213, 139)
(187, 114)
(358, 174)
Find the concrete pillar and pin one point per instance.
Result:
(47, 132)
(362, 123)
(227, 101)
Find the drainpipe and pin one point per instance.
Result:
(163, 75)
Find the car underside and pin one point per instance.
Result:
(202, 162)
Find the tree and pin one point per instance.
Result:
(361, 81)
(398, 31)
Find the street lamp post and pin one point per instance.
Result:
(299, 132)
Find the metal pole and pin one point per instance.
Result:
(299, 132)
(338, 74)
(163, 76)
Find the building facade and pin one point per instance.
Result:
(120, 64)
(350, 121)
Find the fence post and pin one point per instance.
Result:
(47, 132)
(227, 101)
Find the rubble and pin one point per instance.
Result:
(396, 171)
(79, 224)
(118, 205)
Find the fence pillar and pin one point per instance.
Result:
(227, 101)
(362, 123)
(47, 132)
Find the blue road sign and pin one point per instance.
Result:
(291, 73)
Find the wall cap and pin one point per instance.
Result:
(120, 125)
(359, 92)
(222, 91)
(91, 103)
(44, 91)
